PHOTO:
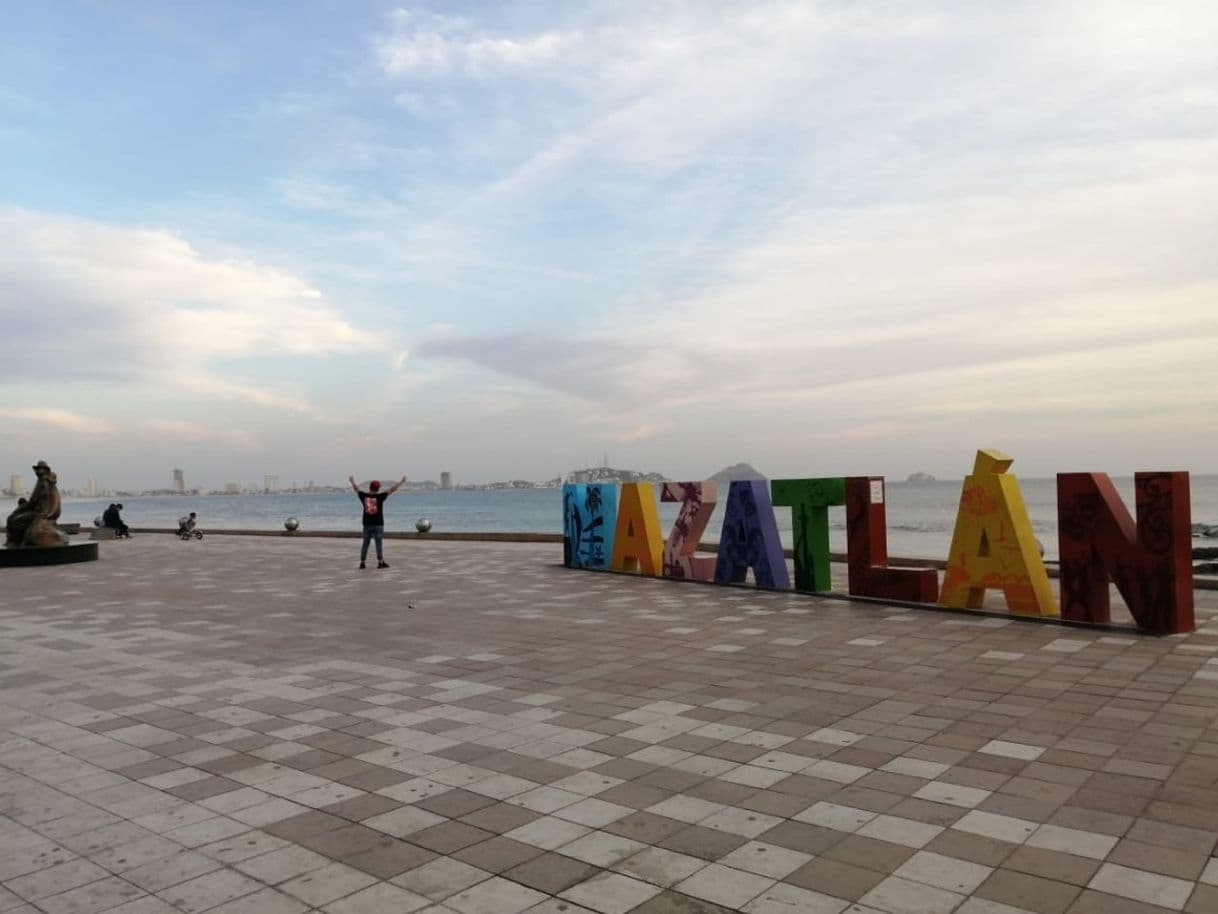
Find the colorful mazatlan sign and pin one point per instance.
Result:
(993, 548)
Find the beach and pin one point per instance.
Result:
(250, 724)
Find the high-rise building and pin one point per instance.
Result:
(16, 484)
(232, 488)
(179, 481)
(446, 480)
(90, 487)
(270, 483)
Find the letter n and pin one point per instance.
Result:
(867, 549)
(697, 504)
(1150, 562)
(750, 539)
(637, 542)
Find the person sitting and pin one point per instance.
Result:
(116, 521)
(186, 524)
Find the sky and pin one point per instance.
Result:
(326, 237)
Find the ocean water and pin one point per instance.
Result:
(920, 515)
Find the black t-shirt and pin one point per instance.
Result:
(374, 508)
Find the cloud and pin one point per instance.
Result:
(64, 419)
(864, 205)
(184, 431)
(429, 43)
(121, 305)
(583, 368)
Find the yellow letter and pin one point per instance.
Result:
(993, 546)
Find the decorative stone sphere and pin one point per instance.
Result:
(423, 524)
(291, 525)
(97, 521)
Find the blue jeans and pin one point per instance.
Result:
(373, 532)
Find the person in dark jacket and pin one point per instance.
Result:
(373, 503)
(115, 520)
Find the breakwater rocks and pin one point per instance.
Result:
(1205, 552)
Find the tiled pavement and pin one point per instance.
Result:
(253, 725)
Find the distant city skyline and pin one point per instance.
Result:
(493, 240)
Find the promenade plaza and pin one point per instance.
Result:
(250, 724)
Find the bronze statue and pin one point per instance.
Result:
(33, 523)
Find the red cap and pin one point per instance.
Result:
(374, 485)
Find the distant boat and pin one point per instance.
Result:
(919, 477)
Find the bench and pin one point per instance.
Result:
(102, 533)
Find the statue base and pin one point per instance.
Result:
(26, 556)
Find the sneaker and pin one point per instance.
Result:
(382, 564)
(362, 565)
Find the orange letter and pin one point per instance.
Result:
(637, 543)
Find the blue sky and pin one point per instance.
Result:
(499, 239)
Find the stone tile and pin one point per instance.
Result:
(784, 899)
(209, 890)
(952, 794)
(377, 899)
(1031, 893)
(832, 877)
(1053, 865)
(109, 892)
(973, 847)
(593, 812)
(169, 871)
(330, 883)
(1005, 749)
(241, 847)
(265, 901)
(55, 879)
(646, 827)
(660, 867)
(900, 895)
(832, 815)
(869, 853)
(610, 893)
(449, 837)
(403, 821)
(440, 878)
(948, 873)
(390, 857)
(600, 848)
(494, 896)
(552, 873)
(990, 825)
(900, 831)
(282, 864)
(706, 843)
(1072, 841)
(547, 832)
(497, 854)
(1139, 885)
(671, 903)
(765, 859)
(723, 885)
